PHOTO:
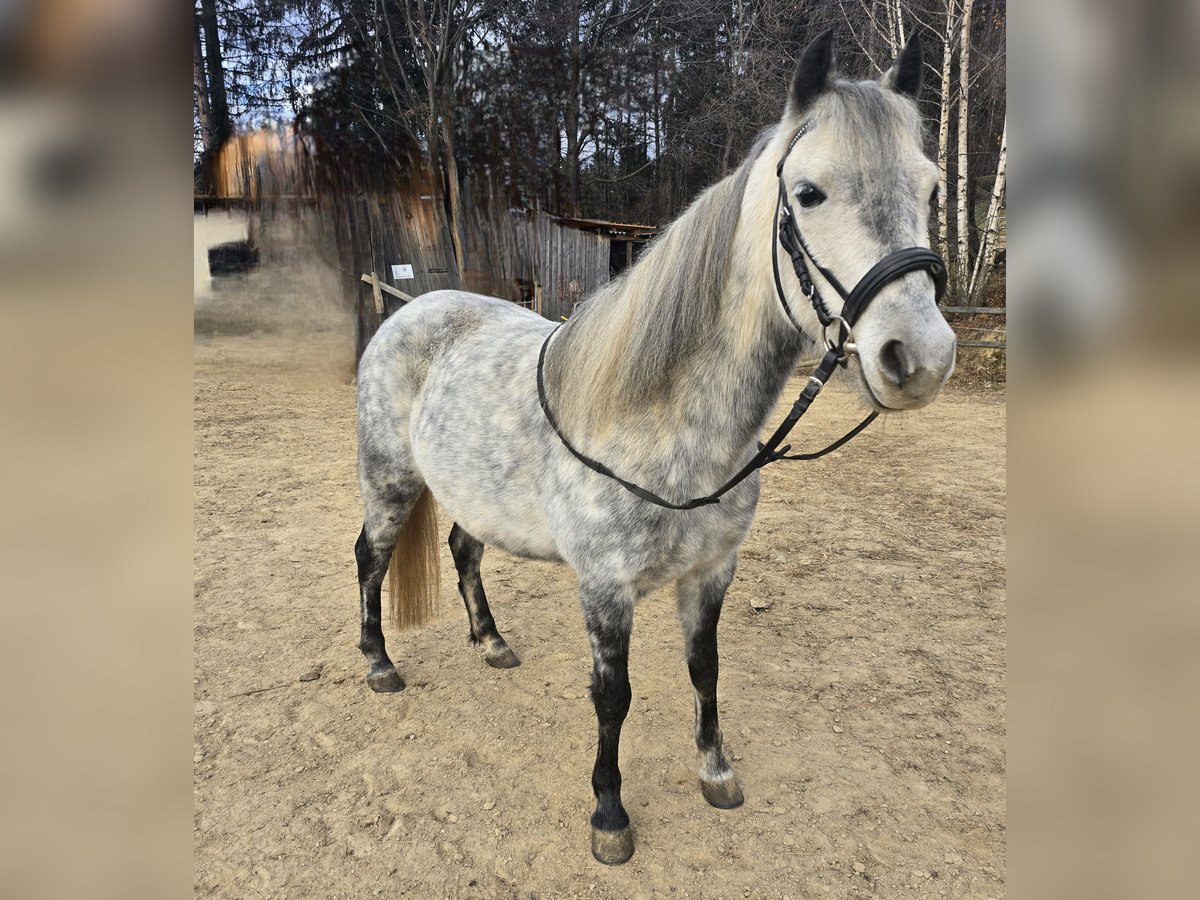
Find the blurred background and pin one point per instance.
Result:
(95, 659)
(611, 113)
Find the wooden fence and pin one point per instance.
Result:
(526, 256)
(263, 165)
(534, 259)
(977, 311)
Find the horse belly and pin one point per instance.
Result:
(494, 513)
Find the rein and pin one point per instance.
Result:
(837, 352)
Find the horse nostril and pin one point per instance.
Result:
(894, 362)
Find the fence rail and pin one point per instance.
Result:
(975, 310)
(999, 312)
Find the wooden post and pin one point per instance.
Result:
(378, 294)
(377, 289)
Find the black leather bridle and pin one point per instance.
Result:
(837, 351)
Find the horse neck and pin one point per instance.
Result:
(755, 348)
(677, 366)
(722, 397)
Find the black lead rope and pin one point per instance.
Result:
(767, 453)
(886, 270)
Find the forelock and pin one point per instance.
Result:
(869, 119)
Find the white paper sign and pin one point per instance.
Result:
(399, 272)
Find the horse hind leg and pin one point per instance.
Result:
(383, 521)
(468, 554)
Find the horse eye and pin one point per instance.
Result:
(810, 196)
(933, 197)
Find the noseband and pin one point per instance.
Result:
(837, 351)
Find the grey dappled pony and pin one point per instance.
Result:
(667, 375)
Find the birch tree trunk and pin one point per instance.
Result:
(898, 37)
(987, 251)
(890, 10)
(963, 262)
(737, 46)
(659, 168)
(943, 147)
(571, 116)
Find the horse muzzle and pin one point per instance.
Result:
(905, 364)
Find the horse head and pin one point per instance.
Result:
(859, 188)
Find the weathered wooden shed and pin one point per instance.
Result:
(545, 262)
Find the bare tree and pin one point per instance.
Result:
(437, 31)
(949, 37)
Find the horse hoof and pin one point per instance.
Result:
(385, 682)
(505, 659)
(723, 794)
(612, 847)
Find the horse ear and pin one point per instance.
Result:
(908, 70)
(814, 72)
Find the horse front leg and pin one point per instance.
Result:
(608, 612)
(699, 596)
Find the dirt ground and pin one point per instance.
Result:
(864, 709)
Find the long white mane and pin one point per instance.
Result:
(622, 347)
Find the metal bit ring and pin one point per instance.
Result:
(848, 346)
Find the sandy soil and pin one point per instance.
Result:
(865, 708)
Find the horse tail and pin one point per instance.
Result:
(413, 574)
